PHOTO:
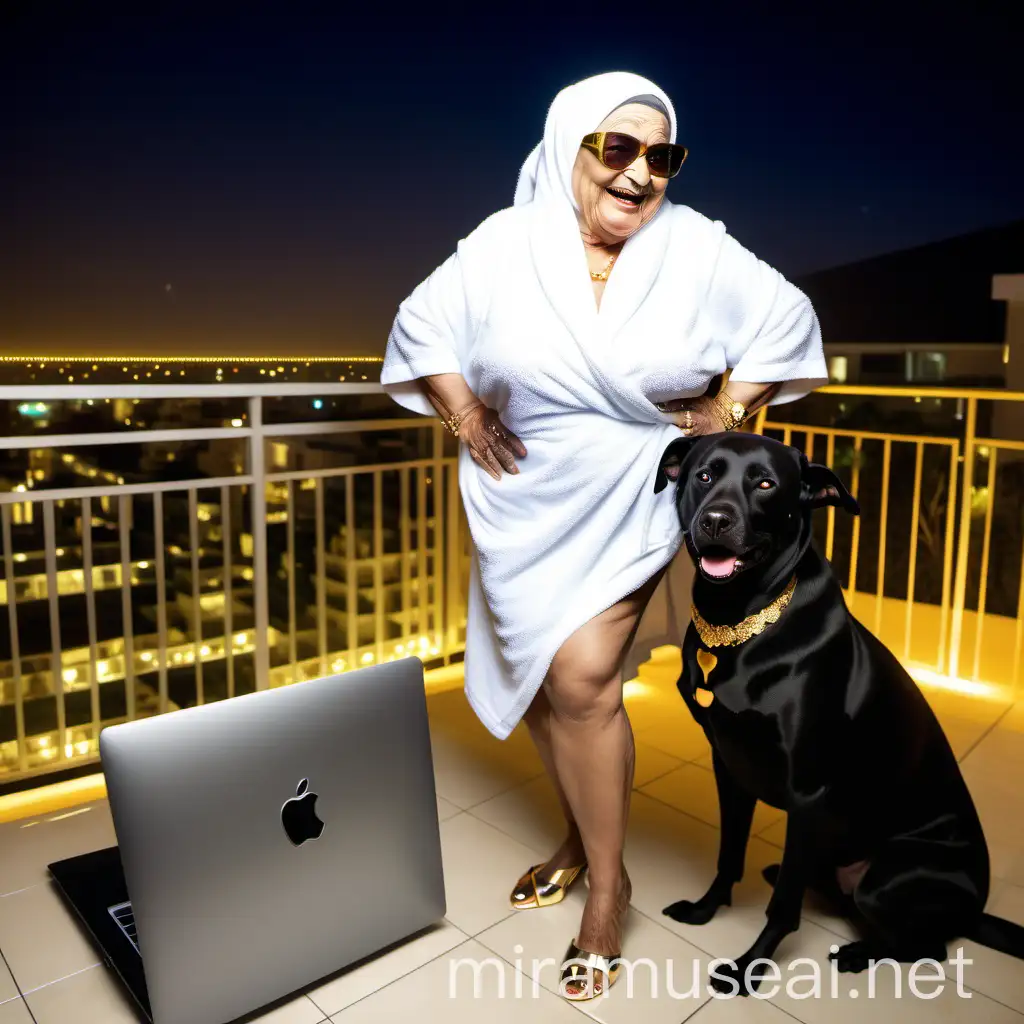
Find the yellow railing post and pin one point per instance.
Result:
(851, 586)
(915, 524)
(882, 532)
(1018, 633)
(441, 580)
(986, 551)
(964, 540)
(830, 533)
(947, 554)
(453, 569)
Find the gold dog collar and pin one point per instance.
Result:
(751, 626)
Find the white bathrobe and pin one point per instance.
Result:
(513, 311)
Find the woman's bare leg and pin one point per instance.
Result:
(592, 752)
(538, 721)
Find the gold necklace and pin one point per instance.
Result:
(602, 275)
(732, 636)
(752, 625)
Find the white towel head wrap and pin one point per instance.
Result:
(576, 111)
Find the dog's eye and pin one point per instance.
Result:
(766, 485)
(704, 476)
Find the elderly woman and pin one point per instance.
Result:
(565, 343)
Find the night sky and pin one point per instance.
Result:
(276, 184)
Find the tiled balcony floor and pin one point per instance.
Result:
(498, 816)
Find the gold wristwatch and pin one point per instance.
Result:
(733, 414)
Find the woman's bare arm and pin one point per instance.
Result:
(448, 393)
(491, 444)
(751, 396)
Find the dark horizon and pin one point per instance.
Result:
(267, 184)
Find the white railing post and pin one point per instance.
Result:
(260, 588)
(12, 616)
(964, 539)
(56, 655)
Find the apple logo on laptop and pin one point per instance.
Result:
(298, 816)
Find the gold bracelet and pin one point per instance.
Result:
(453, 422)
(732, 414)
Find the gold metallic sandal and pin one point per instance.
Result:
(582, 968)
(532, 893)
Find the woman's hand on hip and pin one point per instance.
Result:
(491, 444)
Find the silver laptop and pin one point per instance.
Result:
(267, 842)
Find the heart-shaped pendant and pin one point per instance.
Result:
(707, 662)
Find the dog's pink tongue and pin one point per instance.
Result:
(718, 566)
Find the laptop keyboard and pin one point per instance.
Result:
(124, 917)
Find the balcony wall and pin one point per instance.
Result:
(189, 543)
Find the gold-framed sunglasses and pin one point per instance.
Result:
(617, 151)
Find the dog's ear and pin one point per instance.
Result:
(821, 487)
(671, 464)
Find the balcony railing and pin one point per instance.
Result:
(185, 544)
(283, 549)
(933, 566)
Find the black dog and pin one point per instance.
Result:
(809, 712)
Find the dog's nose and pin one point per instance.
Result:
(715, 523)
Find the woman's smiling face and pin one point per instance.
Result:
(614, 204)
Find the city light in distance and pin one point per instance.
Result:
(307, 360)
